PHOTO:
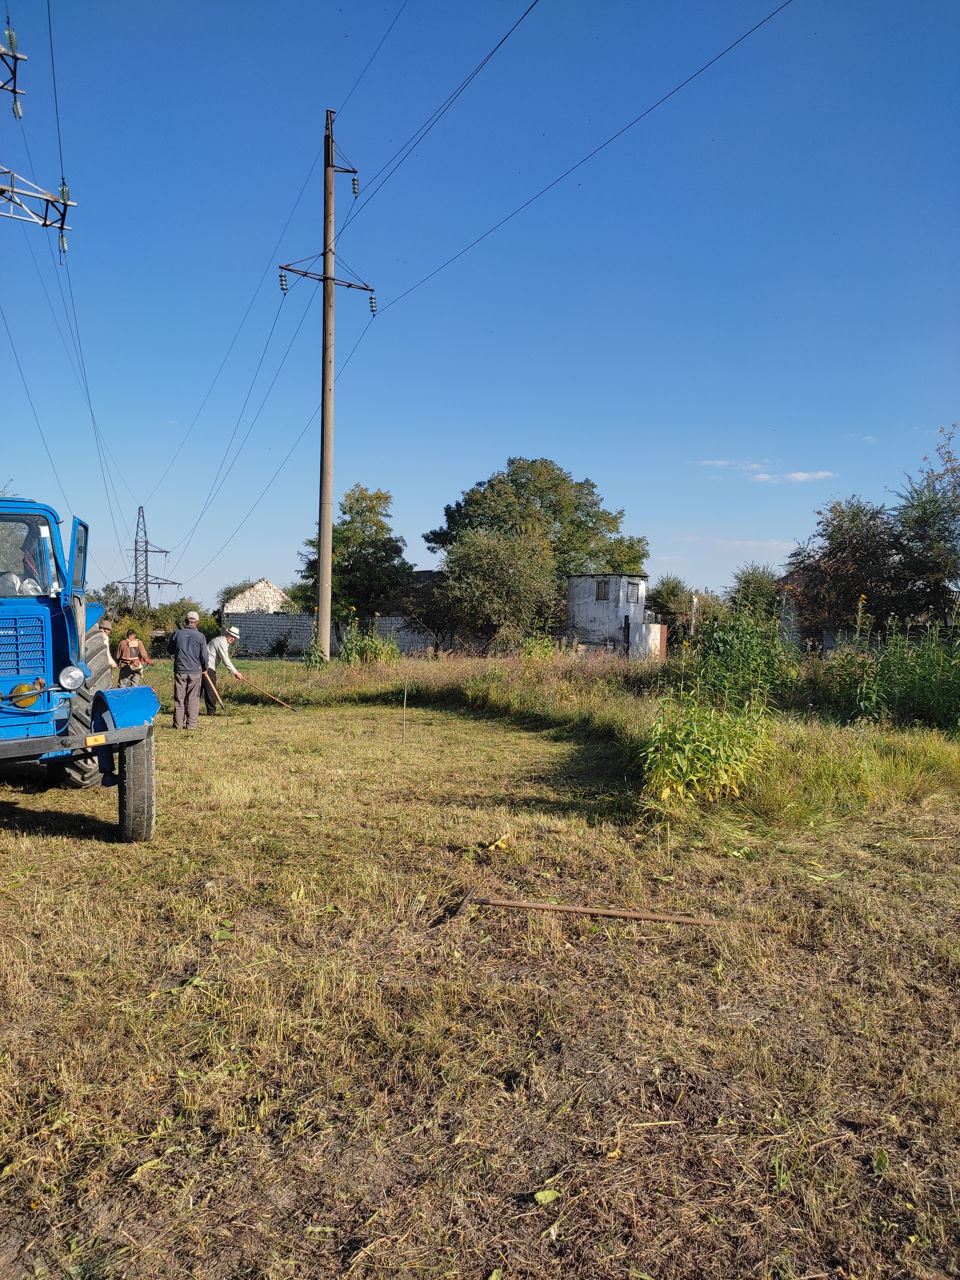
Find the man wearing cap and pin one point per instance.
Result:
(218, 651)
(190, 657)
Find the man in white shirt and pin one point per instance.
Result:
(218, 651)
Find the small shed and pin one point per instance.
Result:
(607, 611)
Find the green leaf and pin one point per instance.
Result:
(547, 1196)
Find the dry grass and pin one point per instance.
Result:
(259, 1047)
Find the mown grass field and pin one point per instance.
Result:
(261, 1046)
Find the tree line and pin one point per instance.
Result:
(506, 547)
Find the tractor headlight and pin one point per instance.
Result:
(28, 695)
(71, 678)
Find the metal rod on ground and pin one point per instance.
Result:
(268, 695)
(472, 900)
(214, 688)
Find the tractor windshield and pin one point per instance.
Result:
(27, 566)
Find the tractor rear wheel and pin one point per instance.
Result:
(138, 789)
(83, 770)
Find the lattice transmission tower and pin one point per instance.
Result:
(143, 579)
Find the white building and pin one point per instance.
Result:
(607, 611)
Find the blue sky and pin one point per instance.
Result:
(742, 308)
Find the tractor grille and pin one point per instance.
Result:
(21, 646)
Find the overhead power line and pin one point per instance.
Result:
(216, 487)
(243, 319)
(371, 58)
(590, 155)
(33, 408)
(430, 123)
(262, 494)
(479, 239)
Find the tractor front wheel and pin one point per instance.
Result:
(83, 770)
(138, 789)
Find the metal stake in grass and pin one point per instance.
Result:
(403, 735)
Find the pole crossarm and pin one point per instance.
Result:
(8, 61)
(16, 191)
(313, 275)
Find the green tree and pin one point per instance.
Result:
(115, 597)
(849, 562)
(684, 609)
(500, 586)
(536, 496)
(368, 564)
(755, 591)
(926, 524)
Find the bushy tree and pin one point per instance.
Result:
(849, 562)
(368, 564)
(755, 590)
(115, 597)
(537, 497)
(500, 586)
(684, 609)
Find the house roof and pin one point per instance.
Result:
(262, 597)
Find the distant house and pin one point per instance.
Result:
(607, 612)
(262, 597)
(268, 622)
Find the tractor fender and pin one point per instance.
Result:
(124, 708)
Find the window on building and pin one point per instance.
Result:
(603, 588)
(633, 593)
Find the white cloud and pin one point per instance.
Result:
(792, 477)
(732, 462)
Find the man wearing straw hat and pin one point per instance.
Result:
(218, 651)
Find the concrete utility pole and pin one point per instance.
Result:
(325, 526)
(329, 281)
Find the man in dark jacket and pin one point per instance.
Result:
(189, 649)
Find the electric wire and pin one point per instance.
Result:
(263, 493)
(236, 427)
(596, 151)
(371, 58)
(186, 542)
(98, 437)
(56, 101)
(416, 138)
(233, 341)
(33, 408)
(660, 101)
(53, 261)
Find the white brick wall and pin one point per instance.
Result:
(260, 633)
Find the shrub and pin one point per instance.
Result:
(696, 750)
(367, 645)
(743, 659)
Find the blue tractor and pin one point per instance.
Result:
(57, 703)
